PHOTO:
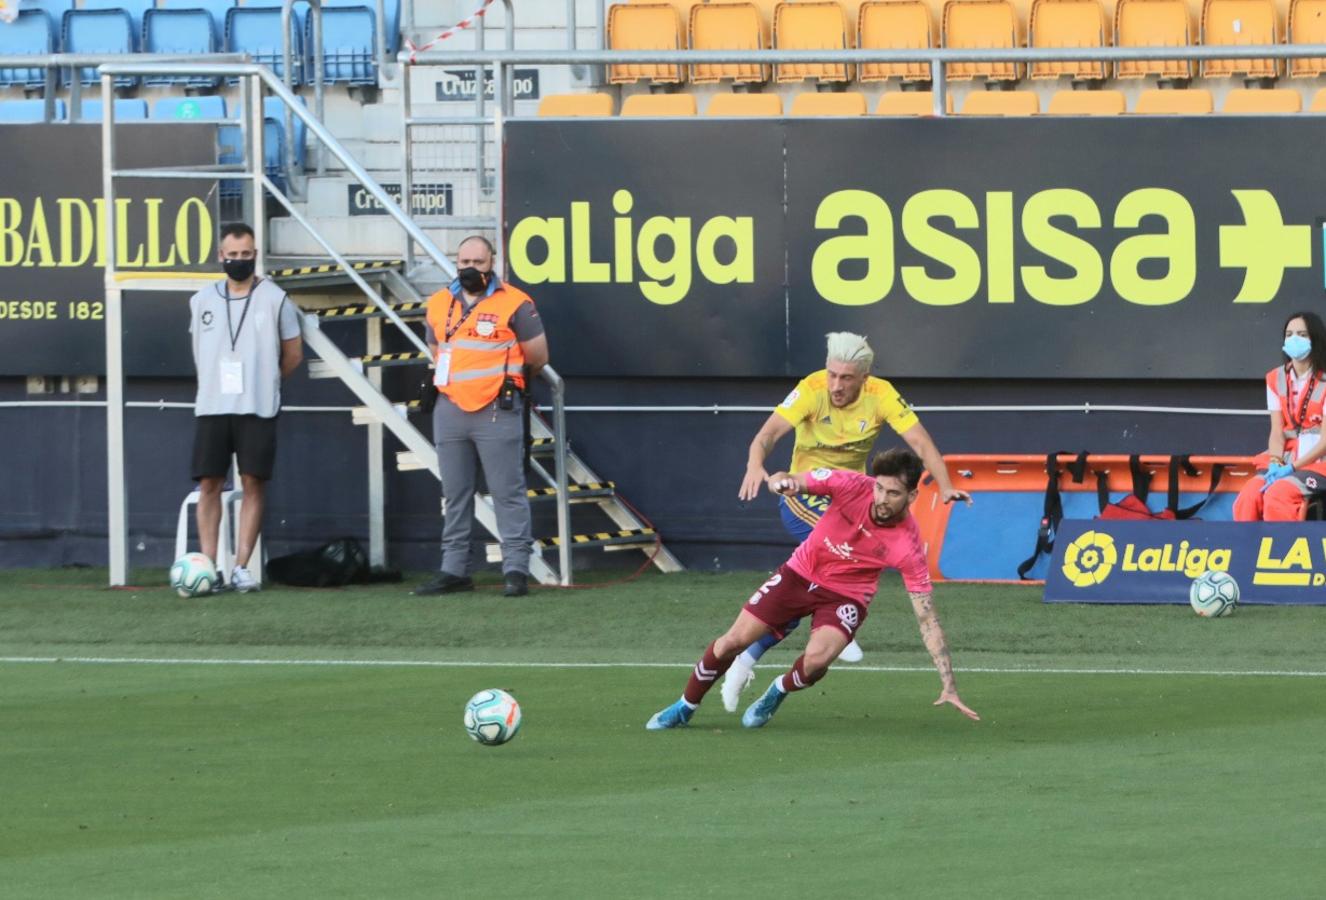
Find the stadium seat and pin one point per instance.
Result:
(1226, 22)
(564, 105)
(31, 34)
(349, 45)
(125, 110)
(134, 8)
(1001, 103)
(728, 26)
(391, 9)
(745, 105)
(273, 112)
(1152, 23)
(1087, 103)
(1190, 102)
(895, 25)
(1252, 102)
(1067, 23)
(182, 31)
(1318, 102)
(817, 104)
(1307, 25)
(192, 109)
(16, 111)
(257, 32)
(981, 24)
(102, 31)
(910, 103)
(645, 26)
(659, 105)
(811, 26)
(215, 9)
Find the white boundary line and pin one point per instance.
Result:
(453, 664)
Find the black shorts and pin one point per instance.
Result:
(251, 438)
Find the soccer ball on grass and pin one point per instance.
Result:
(193, 575)
(492, 717)
(1214, 594)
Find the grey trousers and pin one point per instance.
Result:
(495, 439)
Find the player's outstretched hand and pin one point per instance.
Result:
(782, 483)
(950, 496)
(953, 699)
(751, 484)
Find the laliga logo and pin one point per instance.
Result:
(1089, 559)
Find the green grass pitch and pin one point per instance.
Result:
(1132, 775)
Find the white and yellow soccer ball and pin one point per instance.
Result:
(492, 717)
(193, 575)
(1214, 594)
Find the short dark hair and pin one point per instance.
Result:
(1316, 334)
(897, 462)
(236, 229)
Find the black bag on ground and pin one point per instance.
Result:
(334, 564)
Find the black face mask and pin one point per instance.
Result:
(238, 270)
(472, 280)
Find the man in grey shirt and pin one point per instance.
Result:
(246, 338)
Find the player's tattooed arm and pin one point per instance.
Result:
(932, 633)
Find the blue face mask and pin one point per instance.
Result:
(1296, 346)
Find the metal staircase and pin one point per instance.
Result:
(619, 527)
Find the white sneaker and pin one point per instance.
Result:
(738, 678)
(851, 653)
(242, 581)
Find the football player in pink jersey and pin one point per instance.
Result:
(831, 577)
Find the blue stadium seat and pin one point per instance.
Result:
(28, 110)
(201, 109)
(182, 31)
(273, 110)
(134, 8)
(217, 9)
(348, 45)
(33, 32)
(390, 8)
(125, 111)
(257, 32)
(99, 31)
(53, 8)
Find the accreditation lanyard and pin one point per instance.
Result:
(231, 374)
(231, 331)
(1301, 419)
(442, 367)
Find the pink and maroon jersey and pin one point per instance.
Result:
(847, 550)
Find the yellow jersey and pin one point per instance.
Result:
(833, 438)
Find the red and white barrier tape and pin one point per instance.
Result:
(468, 22)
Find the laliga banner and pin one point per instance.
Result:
(1114, 247)
(52, 245)
(1119, 561)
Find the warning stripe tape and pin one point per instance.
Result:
(599, 536)
(571, 489)
(369, 309)
(468, 22)
(328, 268)
(374, 358)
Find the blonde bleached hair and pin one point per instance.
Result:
(852, 349)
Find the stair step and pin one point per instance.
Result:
(575, 492)
(412, 358)
(626, 537)
(369, 311)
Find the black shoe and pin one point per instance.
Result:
(443, 583)
(516, 584)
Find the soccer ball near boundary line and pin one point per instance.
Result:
(492, 717)
(193, 575)
(1214, 594)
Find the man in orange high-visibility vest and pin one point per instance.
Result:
(486, 338)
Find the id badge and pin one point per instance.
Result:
(442, 372)
(232, 376)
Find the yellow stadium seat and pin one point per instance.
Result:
(1067, 23)
(576, 105)
(1190, 102)
(1318, 102)
(659, 105)
(1152, 23)
(1239, 22)
(811, 26)
(728, 26)
(910, 103)
(645, 26)
(1246, 102)
(745, 105)
(845, 104)
(1001, 103)
(1307, 25)
(981, 24)
(895, 25)
(1087, 103)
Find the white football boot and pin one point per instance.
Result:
(852, 653)
(738, 678)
